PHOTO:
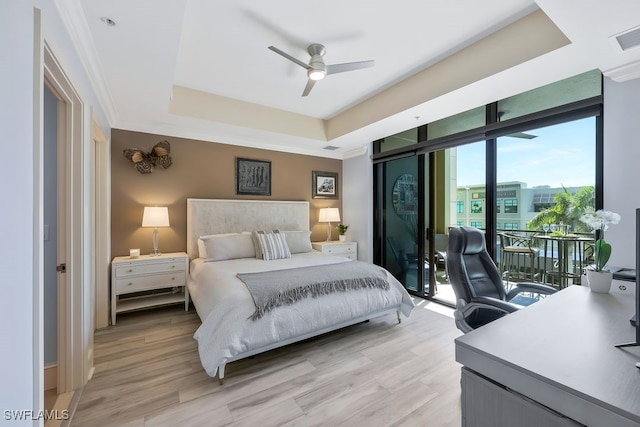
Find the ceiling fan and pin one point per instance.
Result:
(317, 69)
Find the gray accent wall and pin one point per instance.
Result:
(50, 227)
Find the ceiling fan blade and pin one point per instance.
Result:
(290, 58)
(349, 66)
(522, 135)
(308, 87)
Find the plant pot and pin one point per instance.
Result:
(342, 237)
(599, 281)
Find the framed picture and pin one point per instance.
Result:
(324, 185)
(253, 177)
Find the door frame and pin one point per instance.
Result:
(101, 206)
(73, 349)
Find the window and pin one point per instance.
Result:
(459, 223)
(498, 206)
(510, 206)
(459, 206)
(510, 225)
(476, 206)
(476, 224)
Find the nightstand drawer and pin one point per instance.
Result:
(135, 269)
(341, 250)
(143, 283)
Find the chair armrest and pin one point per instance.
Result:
(537, 288)
(491, 303)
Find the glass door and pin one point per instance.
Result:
(399, 222)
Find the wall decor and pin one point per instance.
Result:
(324, 185)
(405, 196)
(253, 177)
(145, 162)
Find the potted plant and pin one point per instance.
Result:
(342, 230)
(598, 276)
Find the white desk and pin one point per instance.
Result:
(560, 353)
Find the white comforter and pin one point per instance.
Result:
(224, 306)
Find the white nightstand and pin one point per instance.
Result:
(345, 249)
(148, 281)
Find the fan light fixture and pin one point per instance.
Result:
(317, 69)
(316, 74)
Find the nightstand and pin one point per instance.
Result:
(148, 281)
(345, 249)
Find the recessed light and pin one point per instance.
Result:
(110, 22)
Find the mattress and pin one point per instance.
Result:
(225, 306)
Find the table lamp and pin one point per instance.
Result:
(329, 215)
(156, 216)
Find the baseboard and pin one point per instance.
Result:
(50, 376)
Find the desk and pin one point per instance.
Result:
(558, 353)
(568, 253)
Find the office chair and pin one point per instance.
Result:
(480, 294)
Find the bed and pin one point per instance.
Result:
(226, 281)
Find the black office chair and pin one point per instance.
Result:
(480, 294)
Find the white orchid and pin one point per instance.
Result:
(600, 220)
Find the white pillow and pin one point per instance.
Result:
(273, 245)
(298, 241)
(202, 249)
(221, 247)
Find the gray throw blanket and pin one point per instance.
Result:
(271, 289)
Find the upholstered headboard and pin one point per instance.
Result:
(216, 216)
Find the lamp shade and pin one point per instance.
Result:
(156, 216)
(329, 215)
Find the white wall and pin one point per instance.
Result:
(17, 218)
(21, 351)
(357, 202)
(622, 166)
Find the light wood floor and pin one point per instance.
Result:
(379, 373)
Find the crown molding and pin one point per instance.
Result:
(624, 73)
(72, 17)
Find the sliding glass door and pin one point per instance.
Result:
(400, 225)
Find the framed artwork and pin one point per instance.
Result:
(324, 185)
(253, 177)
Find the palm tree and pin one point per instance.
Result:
(567, 210)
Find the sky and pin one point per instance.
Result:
(560, 155)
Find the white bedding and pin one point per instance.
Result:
(225, 305)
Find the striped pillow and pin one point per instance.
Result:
(273, 245)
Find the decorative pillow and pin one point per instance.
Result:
(221, 247)
(298, 241)
(273, 245)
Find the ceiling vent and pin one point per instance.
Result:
(628, 39)
(330, 147)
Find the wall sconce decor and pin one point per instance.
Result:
(145, 162)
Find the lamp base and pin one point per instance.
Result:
(328, 231)
(155, 252)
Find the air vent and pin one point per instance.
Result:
(330, 147)
(629, 39)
